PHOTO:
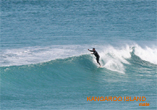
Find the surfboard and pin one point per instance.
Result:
(100, 67)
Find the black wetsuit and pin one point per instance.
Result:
(96, 55)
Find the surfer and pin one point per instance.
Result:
(96, 55)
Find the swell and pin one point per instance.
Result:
(78, 70)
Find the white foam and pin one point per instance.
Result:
(113, 58)
(147, 53)
(33, 55)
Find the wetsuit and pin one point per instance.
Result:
(96, 55)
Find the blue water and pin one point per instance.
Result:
(45, 64)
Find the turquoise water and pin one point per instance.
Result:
(45, 63)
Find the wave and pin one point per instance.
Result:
(112, 58)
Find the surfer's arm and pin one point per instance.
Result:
(90, 50)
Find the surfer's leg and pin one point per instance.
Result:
(97, 59)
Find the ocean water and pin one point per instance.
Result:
(45, 64)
